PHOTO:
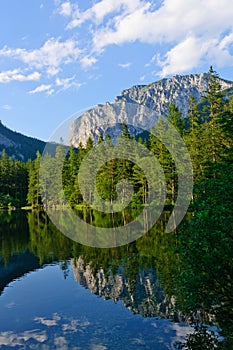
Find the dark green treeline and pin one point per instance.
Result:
(207, 133)
(13, 181)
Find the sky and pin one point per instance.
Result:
(60, 57)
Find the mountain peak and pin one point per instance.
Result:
(156, 97)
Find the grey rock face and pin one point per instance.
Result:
(146, 297)
(139, 107)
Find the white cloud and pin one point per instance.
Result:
(50, 92)
(125, 65)
(193, 30)
(97, 12)
(177, 57)
(65, 9)
(51, 71)
(60, 84)
(17, 75)
(67, 83)
(7, 107)
(226, 42)
(87, 61)
(189, 32)
(42, 88)
(50, 56)
(171, 22)
(192, 52)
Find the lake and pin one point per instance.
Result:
(59, 294)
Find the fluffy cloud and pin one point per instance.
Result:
(17, 75)
(193, 31)
(88, 61)
(50, 56)
(97, 12)
(193, 51)
(177, 56)
(189, 32)
(48, 59)
(171, 22)
(60, 84)
(65, 9)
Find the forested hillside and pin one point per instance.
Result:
(19, 146)
(207, 132)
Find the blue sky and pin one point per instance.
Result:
(59, 57)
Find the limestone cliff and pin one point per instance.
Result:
(140, 106)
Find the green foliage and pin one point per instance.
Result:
(206, 241)
(13, 182)
(207, 132)
(201, 339)
(33, 195)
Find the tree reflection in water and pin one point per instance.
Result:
(184, 276)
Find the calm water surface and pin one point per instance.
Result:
(58, 294)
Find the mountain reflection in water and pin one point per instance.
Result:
(59, 313)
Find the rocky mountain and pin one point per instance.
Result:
(143, 296)
(19, 146)
(140, 106)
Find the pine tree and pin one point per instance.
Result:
(161, 153)
(70, 172)
(214, 108)
(174, 116)
(46, 177)
(124, 167)
(88, 171)
(33, 196)
(193, 138)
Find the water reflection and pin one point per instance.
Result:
(44, 311)
(148, 277)
(126, 273)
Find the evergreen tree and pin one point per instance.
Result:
(46, 176)
(33, 195)
(193, 138)
(13, 181)
(214, 107)
(174, 116)
(89, 144)
(87, 177)
(161, 153)
(70, 172)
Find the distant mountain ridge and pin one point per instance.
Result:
(19, 146)
(155, 98)
(147, 299)
(128, 107)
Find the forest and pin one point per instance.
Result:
(207, 133)
(197, 267)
